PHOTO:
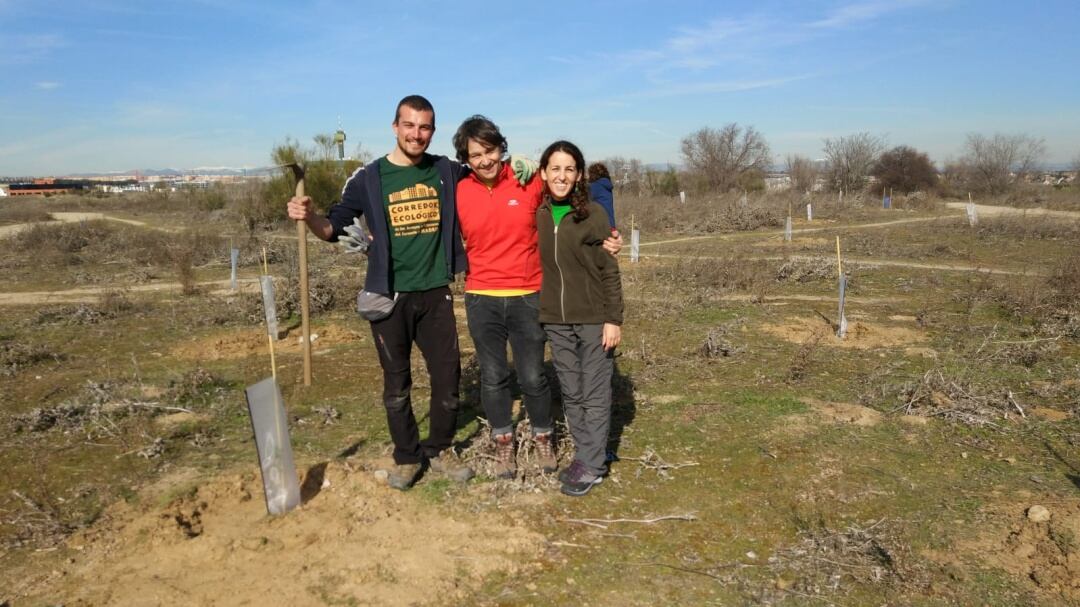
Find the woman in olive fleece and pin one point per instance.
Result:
(580, 308)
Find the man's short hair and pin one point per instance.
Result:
(481, 129)
(416, 102)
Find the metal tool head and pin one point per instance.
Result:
(296, 167)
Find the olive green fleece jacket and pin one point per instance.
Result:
(581, 283)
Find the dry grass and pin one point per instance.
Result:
(17, 356)
(827, 562)
(23, 212)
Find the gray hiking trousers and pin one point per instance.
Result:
(584, 369)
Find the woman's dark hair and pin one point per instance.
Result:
(579, 196)
(481, 129)
(597, 170)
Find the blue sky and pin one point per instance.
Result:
(100, 85)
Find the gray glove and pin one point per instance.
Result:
(356, 239)
(524, 168)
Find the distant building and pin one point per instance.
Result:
(46, 187)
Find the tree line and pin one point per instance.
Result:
(735, 157)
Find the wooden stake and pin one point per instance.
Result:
(269, 338)
(301, 233)
(839, 264)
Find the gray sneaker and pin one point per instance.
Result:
(450, 466)
(402, 476)
(577, 480)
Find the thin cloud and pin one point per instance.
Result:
(723, 86)
(28, 47)
(46, 85)
(852, 14)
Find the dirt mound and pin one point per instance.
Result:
(240, 344)
(845, 413)
(354, 541)
(1047, 552)
(800, 424)
(861, 335)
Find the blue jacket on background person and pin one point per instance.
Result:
(600, 191)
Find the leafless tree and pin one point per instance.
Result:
(721, 158)
(851, 159)
(994, 164)
(803, 173)
(627, 174)
(1076, 168)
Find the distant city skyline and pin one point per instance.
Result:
(119, 85)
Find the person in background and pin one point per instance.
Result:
(581, 309)
(600, 190)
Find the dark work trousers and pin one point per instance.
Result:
(426, 317)
(585, 371)
(493, 322)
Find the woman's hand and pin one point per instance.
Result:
(614, 243)
(612, 336)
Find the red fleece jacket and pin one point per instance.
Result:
(499, 229)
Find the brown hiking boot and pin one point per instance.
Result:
(450, 465)
(402, 476)
(545, 452)
(505, 464)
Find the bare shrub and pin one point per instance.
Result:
(826, 561)
(956, 399)
(804, 355)
(16, 356)
(803, 270)
(718, 342)
(803, 173)
(196, 386)
(851, 159)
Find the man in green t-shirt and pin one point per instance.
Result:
(408, 201)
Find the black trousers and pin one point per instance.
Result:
(427, 318)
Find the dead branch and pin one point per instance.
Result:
(603, 523)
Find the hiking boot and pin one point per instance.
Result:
(505, 462)
(402, 476)
(577, 479)
(545, 452)
(450, 466)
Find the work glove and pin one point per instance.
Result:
(355, 239)
(524, 168)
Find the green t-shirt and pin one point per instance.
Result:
(411, 202)
(560, 209)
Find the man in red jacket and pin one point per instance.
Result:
(498, 223)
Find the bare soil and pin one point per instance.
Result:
(248, 342)
(861, 335)
(354, 541)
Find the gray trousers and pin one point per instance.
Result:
(584, 370)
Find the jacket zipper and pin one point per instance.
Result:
(562, 282)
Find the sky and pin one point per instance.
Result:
(116, 85)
